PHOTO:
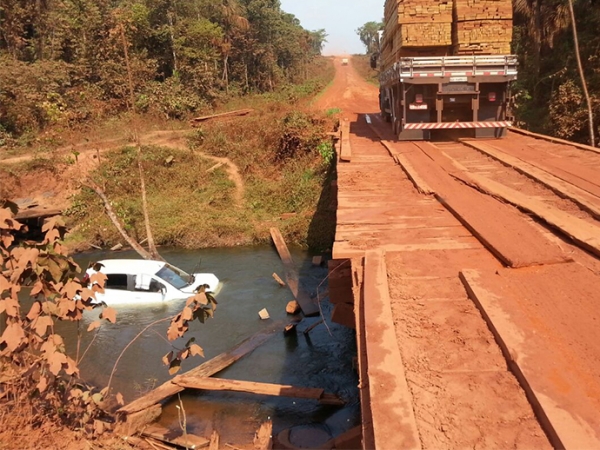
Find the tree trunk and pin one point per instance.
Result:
(151, 245)
(582, 75)
(172, 35)
(129, 74)
(226, 72)
(117, 223)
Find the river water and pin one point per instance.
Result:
(319, 359)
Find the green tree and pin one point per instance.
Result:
(369, 35)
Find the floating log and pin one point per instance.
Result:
(292, 307)
(279, 280)
(187, 440)
(206, 369)
(278, 390)
(309, 308)
(240, 112)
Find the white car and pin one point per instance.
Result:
(139, 281)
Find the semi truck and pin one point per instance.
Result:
(463, 85)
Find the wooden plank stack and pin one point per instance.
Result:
(445, 27)
(414, 24)
(482, 27)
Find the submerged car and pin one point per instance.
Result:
(135, 281)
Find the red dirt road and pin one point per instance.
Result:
(458, 378)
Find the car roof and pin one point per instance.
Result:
(131, 266)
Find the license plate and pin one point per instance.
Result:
(418, 107)
(458, 79)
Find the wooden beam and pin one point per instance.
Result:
(585, 234)
(278, 390)
(390, 397)
(189, 441)
(37, 213)
(554, 140)
(207, 369)
(263, 440)
(309, 307)
(214, 441)
(345, 148)
(584, 199)
(240, 112)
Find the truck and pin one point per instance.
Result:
(445, 71)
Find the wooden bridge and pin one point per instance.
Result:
(470, 271)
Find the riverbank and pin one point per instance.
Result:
(220, 184)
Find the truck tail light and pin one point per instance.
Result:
(492, 96)
(419, 98)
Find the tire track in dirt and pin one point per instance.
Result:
(87, 160)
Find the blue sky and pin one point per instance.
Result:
(340, 18)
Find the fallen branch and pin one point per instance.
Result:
(278, 390)
(116, 222)
(240, 112)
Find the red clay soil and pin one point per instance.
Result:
(462, 391)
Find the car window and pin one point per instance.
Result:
(116, 281)
(146, 283)
(169, 274)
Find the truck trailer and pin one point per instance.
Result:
(444, 71)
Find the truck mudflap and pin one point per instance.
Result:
(457, 125)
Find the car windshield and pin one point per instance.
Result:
(174, 276)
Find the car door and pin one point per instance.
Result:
(147, 289)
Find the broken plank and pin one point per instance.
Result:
(278, 390)
(277, 278)
(187, 440)
(263, 439)
(240, 112)
(309, 307)
(206, 369)
(214, 441)
(138, 420)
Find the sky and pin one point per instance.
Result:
(340, 19)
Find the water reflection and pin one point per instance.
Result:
(319, 360)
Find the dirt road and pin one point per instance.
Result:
(492, 310)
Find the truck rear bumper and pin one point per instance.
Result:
(457, 125)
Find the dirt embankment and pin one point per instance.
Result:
(52, 188)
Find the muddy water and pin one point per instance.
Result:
(317, 360)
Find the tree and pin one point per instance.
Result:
(318, 38)
(369, 35)
(582, 75)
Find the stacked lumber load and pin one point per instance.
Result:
(445, 27)
(482, 27)
(414, 24)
